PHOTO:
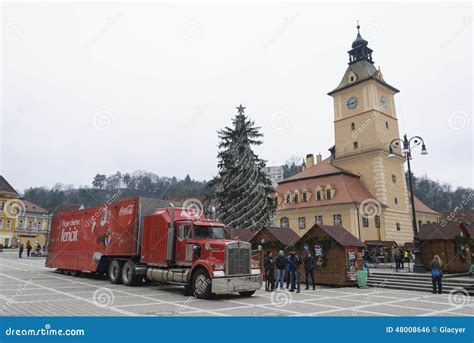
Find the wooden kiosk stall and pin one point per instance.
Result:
(338, 254)
(451, 241)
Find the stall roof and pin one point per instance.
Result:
(448, 230)
(284, 235)
(245, 235)
(338, 233)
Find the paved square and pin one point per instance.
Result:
(27, 288)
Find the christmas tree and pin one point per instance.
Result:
(242, 189)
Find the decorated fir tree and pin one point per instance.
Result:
(242, 189)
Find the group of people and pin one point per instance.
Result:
(288, 266)
(28, 249)
(401, 256)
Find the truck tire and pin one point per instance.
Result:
(129, 274)
(202, 284)
(247, 294)
(66, 272)
(115, 272)
(74, 272)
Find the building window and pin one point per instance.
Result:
(353, 126)
(365, 220)
(328, 194)
(396, 201)
(20, 224)
(398, 226)
(30, 225)
(386, 124)
(302, 222)
(394, 179)
(377, 222)
(318, 220)
(276, 201)
(419, 224)
(337, 220)
(39, 225)
(305, 197)
(295, 198)
(288, 199)
(1, 223)
(352, 78)
(318, 195)
(9, 224)
(2, 206)
(284, 222)
(355, 145)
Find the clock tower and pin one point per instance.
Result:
(365, 122)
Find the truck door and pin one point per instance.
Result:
(184, 250)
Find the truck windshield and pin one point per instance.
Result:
(208, 232)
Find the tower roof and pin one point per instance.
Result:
(6, 188)
(361, 66)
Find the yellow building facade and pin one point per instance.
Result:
(358, 186)
(10, 203)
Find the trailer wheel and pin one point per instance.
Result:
(129, 274)
(247, 294)
(75, 272)
(202, 284)
(66, 272)
(115, 272)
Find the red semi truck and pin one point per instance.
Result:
(138, 238)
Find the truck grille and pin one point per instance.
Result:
(238, 261)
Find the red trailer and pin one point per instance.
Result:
(139, 238)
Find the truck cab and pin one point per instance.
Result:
(182, 246)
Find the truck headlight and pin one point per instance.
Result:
(219, 266)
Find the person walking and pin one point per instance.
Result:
(28, 249)
(436, 274)
(309, 263)
(402, 258)
(269, 265)
(280, 263)
(366, 259)
(397, 259)
(20, 251)
(288, 275)
(294, 268)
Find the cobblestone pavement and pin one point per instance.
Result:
(27, 288)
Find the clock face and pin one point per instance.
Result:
(383, 102)
(352, 102)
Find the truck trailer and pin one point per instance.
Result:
(137, 239)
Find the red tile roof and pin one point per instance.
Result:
(325, 167)
(421, 207)
(6, 188)
(33, 208)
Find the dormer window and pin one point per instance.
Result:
(295, 198)
(353, 126)
(288, 199)
(305, 197)
(328, 194)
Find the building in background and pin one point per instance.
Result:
(10, 203)
(32, 225)
(275, 174)
(358, 186)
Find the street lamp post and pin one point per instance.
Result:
(407, 145)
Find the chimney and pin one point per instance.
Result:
(309, 160)
(319, 158)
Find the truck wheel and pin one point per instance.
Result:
(129, 274)
(115, 272)
(247, 294)
(66, 272)
(201, 284)
(75, 272)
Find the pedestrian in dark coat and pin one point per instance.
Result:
(28, 249)
(436, 274)
(269, 266)
(280, 264)
(309, 263)
(20, 251)
(294, 268)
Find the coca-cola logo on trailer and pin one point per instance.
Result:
(127, 210)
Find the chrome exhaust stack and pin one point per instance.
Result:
(170, 238)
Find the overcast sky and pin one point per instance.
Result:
(90, 88)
